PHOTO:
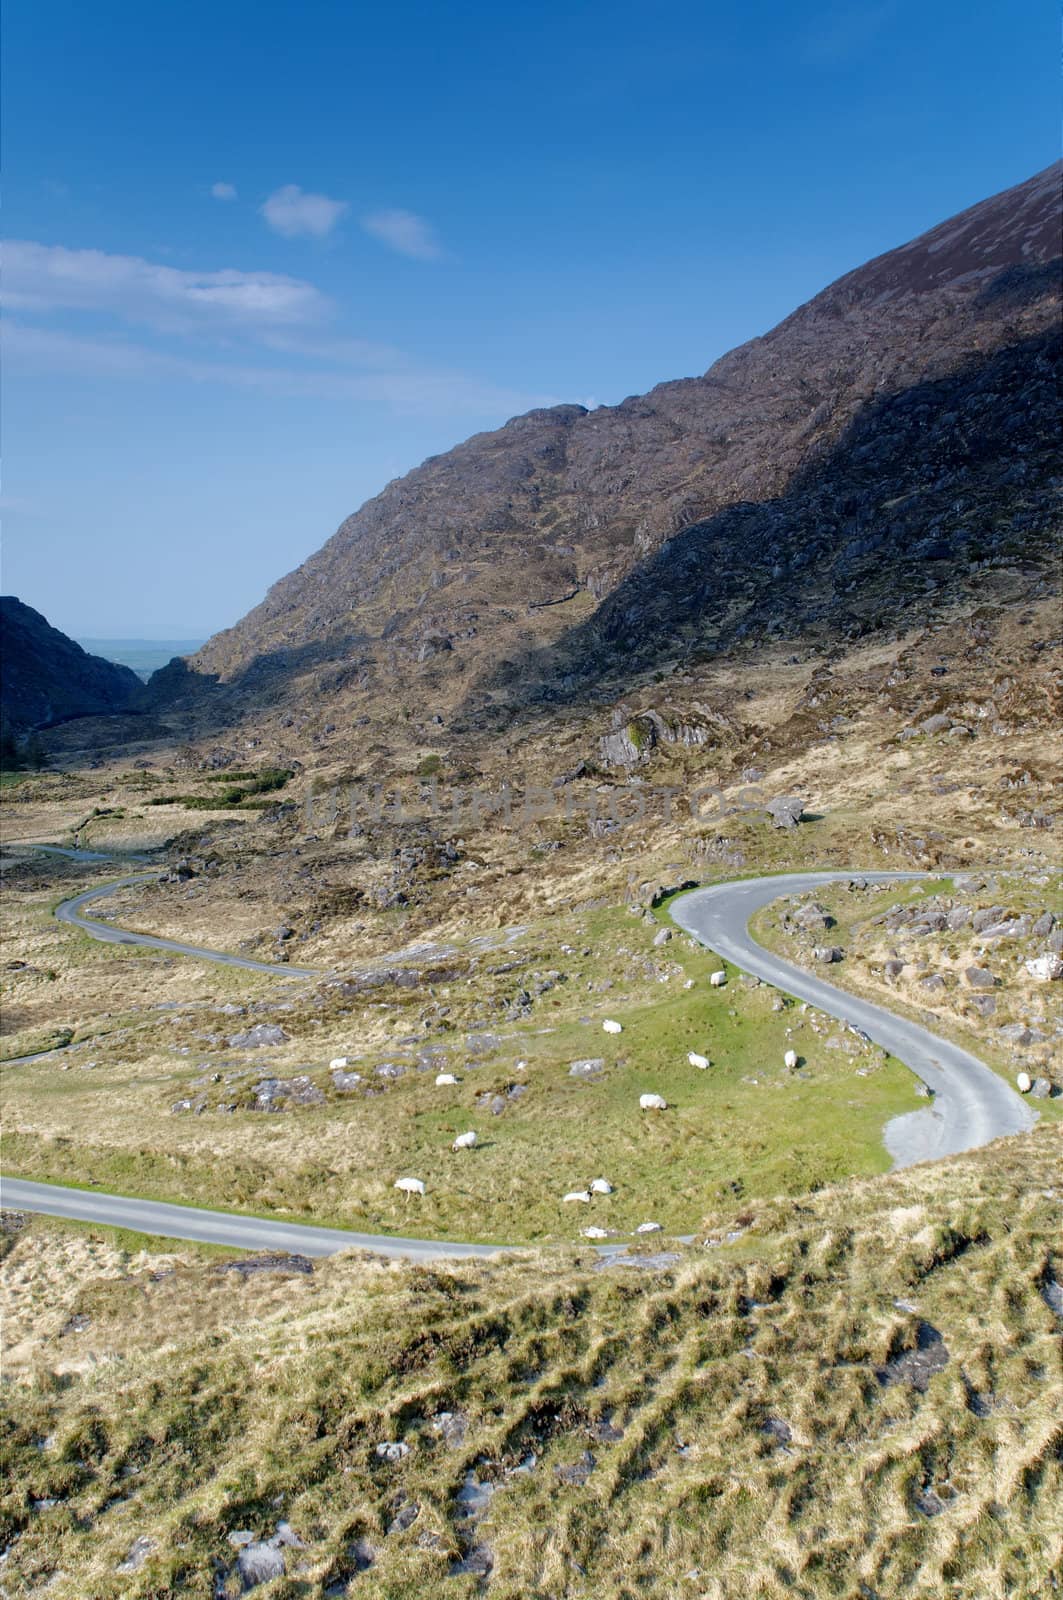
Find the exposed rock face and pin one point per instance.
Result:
(47, 677)
(888, 436)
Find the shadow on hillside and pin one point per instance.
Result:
(868, 538)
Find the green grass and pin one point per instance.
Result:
(745, 1125)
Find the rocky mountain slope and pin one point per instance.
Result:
(887, 438)
(47, 678)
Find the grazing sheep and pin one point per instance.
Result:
(409, 1186)
(718, 979)
(790, 1059)
(338, 1063)
(648, 1227)
(698, 1061)
(464, 1141)
(601, 1186)
(444, 1080)
(392, 1450)
(1024, 1083)
(652, 1102)
(581, 1195)
(612, 1027)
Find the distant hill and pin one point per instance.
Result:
(849, 470)
(46, 677)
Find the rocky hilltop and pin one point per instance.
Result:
(889, 437)
(47, 678)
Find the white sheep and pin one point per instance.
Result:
(392, 1450)
(648, 1227)
(582, 1196)
(594, 1233)
(601, 1186)
(609, 1026)
(464, 1141)
(409, 1186)
(718, 979)
(338, 1063)
(1024, 1083)
(652, 1102)
(698, 1061)
(445, 1080)
(790, 1059)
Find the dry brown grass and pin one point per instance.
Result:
(744, 1442)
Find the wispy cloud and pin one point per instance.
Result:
(291, 211)
(405, 389)
(405, 232)
(41, 277)
(75, 312)
(223, 191)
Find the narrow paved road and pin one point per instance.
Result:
(70, 911)
(218, 1227)
(971, 1104)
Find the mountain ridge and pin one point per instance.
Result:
(582, 500)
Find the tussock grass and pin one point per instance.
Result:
(746, 1441)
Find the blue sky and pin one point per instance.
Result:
(266, 255)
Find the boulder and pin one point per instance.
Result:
(592, 1068)
(260, 1035)
(979, 978)
(826, 953)
(1045, 968)
(1041, 1089)
(662, 937)
(785, 811)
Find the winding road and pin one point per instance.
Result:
(971, 1104)
(70, 911)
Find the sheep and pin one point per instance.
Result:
(338, 1063)
(609, 1026)
(1024, 1083)
(445, 1080)
(652, 1102)
(409, 1186)
(392, 1450)
(790, 1059)
(464, 1141)
(594, 1233)
(648, 1227)
(581, 1195)
(718, 979)
(698, 1061)
(601, 1186)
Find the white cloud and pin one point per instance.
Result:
(49, 277)
(410, 235)
(223, 191)
(293, 212)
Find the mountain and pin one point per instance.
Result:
(860, 460)
(47, 678)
